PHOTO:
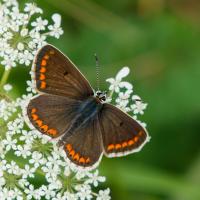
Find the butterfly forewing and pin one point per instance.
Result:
(52, 114)
(121, 134)
(84, 147)
(56, 74)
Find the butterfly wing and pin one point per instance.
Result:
(52, 114)
(56, 74)
(84, 147)
(121, 134)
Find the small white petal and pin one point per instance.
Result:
(136, 98)
(122, 73)
(57, 19)
(110, 80)
(126, 85)
(20, 46)
(7, 87)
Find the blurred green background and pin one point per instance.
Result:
(160, 41)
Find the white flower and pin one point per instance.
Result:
(31, 87)
(19, 41)
(124, 95)
(138, 107)
(23, 151)
(10, 3)
(51, 172)
(104, 195)
(55, 30)
(117, 83)
(33, 193)
(17, 194)
(38, 40)
(27, 137)
(94, 178)
(28, 172)
(7, 87)
(8, 62)
(31, 8)
(48, 192)
(123, 100)
(6, 109)
(24, 32)
(9, 143)
(53, 160)
(84, 192)
(25, 58)
(15, 126)
(39, 24)
(37, 159)
(13, 168)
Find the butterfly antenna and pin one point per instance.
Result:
(97, 71)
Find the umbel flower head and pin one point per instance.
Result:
(22, 32)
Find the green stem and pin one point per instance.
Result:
(4, 77)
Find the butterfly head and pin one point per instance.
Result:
(101, 95)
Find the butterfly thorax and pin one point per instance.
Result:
(100, 96)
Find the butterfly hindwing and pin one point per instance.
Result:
(84, 147)
(52, 114)
(56, 74)
(121, 134)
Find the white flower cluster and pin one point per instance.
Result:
(23, 32)
(122, 92)
(27, 157)
(7, 108)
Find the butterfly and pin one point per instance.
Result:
(67, 108)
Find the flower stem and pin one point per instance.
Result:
(4, 77)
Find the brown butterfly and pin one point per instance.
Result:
(68, 108)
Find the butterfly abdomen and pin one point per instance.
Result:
(88, 111)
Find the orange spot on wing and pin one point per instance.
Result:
(52, 132)
(39, 123)
(71, 153)
(140, 133)
(42, 77)
(33, 110)
(76, 157)
(46, 57)
(43, 63)
(124, 144)
(82, 160)
(136, 139)
(43, 70)
(43, 85)
(110, 147)
(68, 147)
(44, 128)
(130, 142)
(87, 160)
(34, 117)
(118, 146)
